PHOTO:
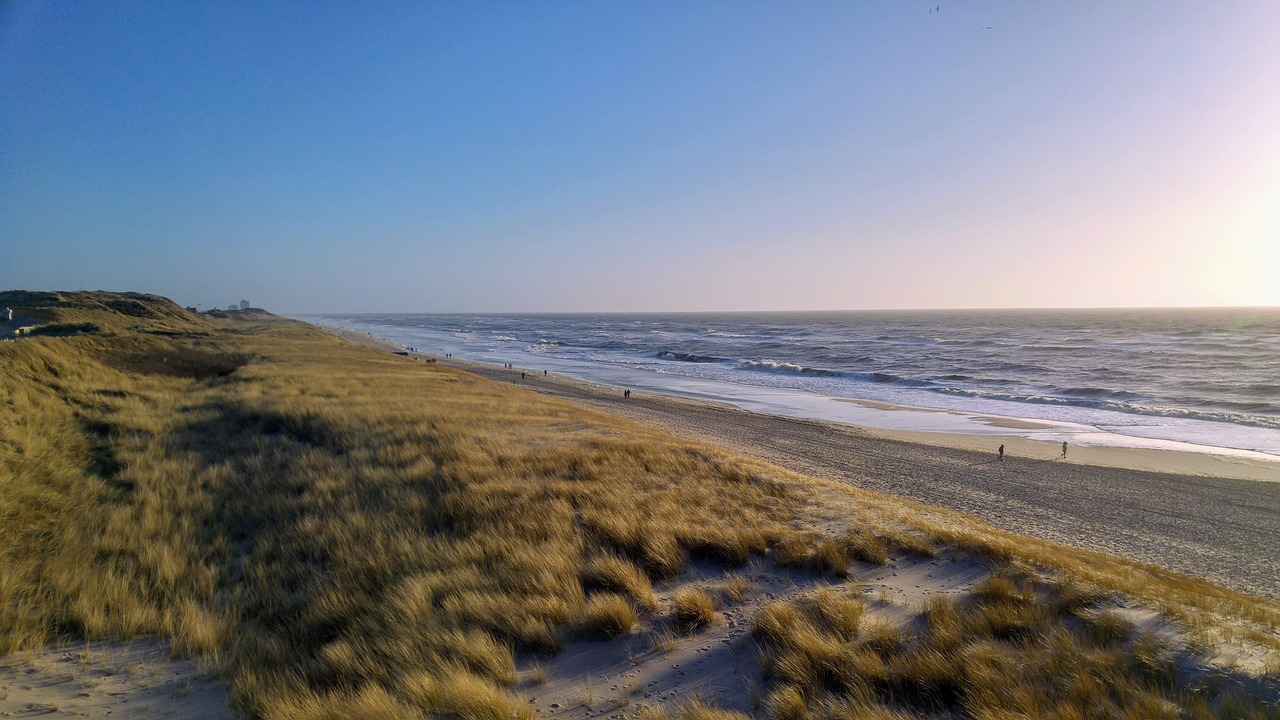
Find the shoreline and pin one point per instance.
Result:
(996, 420)
(1239, 465)
(1220, 526)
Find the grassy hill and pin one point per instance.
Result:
(348, 533)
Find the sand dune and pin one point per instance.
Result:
(1182, 511)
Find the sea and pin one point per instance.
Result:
(1205, 380)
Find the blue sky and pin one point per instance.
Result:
(564, 156)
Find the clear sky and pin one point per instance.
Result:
(599, 156)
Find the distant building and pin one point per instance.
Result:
(244, 304)
(233, 306)
(13, 325)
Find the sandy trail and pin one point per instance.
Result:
(138, 679)
(718, 664)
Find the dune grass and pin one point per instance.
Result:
(330, 525)
(610, 572)
(608, 615)
(347, 533)
(693, 609)
(1015, 647)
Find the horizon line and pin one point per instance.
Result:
(778, 311)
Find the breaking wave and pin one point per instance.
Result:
(1225, 416)
(773, 366)
(689, 357)
(1082, 366)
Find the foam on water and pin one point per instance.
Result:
(1180, 379)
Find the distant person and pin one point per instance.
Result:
(521, 374)
(544, 373)
(1000, 454)
(1064, 450)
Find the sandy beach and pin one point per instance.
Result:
(1159, 507)
(1213, 517)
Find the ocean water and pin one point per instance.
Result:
(1146, 378)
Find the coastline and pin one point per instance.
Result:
(365, 484)
(1176, 462)
(1217, 520)
(1196, 463)
(854, 402)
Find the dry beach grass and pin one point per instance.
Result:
(1221, 527)
(342, 532)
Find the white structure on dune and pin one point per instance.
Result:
(12, 325)
(244, 304)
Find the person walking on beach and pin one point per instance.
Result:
(1064, 450)
(1000, 456)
